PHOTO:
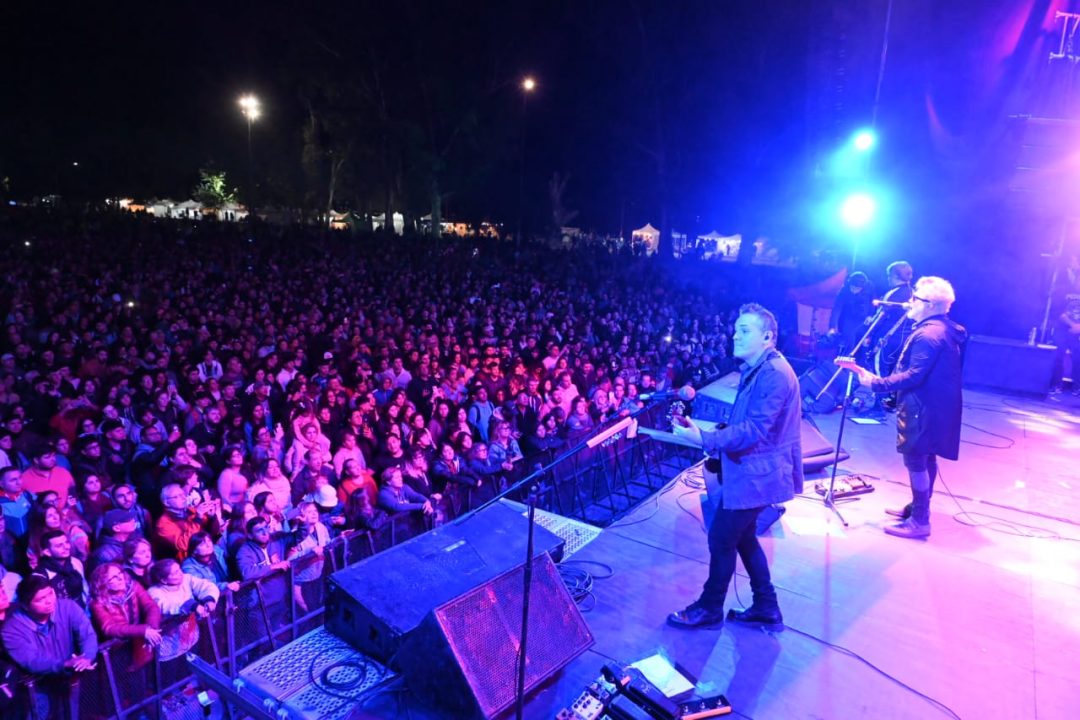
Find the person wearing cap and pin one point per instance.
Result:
(44, 475)
(124, 497)
(50, 637)
(325, 371)
(116, 527)
(117, 450)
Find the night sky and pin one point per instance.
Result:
(143, 96)
(722, 112)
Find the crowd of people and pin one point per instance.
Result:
(189, 406)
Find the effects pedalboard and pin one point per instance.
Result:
(623, 693)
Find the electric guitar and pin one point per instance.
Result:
(849, 363)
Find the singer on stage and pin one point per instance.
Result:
(929, 403)
(761, 458)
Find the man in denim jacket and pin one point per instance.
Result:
(760, 451)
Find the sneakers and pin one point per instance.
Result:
(909, 528)
(696, 616)
(754, 617)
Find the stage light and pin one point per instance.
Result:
(528, 84)
(864, 140)
(858, 210)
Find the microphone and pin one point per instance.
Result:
(686, 393)
(890, 304)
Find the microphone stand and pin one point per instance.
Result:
(525, 597)
(531, 500)
(830, 498)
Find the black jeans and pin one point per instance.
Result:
(734, 531)
(916, 462)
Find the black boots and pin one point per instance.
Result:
(769, 619)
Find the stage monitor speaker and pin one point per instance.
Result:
(374, 604)
(813, 380)
(1010, 365)
(464, 656)
(714, 401)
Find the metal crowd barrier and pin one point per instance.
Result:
(595, 481)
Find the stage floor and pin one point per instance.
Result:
(983, 619)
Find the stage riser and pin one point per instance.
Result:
(1008, 365)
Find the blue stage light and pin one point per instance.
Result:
(858, 210)
(864, 140)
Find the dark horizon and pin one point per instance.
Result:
(742, 106)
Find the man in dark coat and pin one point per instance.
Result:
(852, 307)
(760, 453)
(929, 401)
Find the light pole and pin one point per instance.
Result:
(251, 110)
(528, 86)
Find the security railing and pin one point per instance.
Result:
(594, 478)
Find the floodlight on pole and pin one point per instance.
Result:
(251, 109)
(528, 86)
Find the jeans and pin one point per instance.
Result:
(734, 531)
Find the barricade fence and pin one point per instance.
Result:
(267, 613)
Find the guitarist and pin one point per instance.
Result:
(929, 400)
(760, 452)
(895, 326)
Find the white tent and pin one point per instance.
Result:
(161, 208)
(727, 246)
(648, 236)
(377, 221)
(189, 209)
(232, 212)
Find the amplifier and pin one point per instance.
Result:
(376, 603)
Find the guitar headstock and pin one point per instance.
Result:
(848, 363)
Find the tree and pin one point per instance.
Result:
(212, 190)
(560, 214)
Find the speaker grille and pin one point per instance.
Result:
(483, 628)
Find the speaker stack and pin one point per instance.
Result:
(445, 609)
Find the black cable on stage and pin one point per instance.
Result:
(607, 568)
(363, 665)
(892, 678)
(579, 582)
(1006, 438)
(851, 653)
(1000, 524)
(688, 511)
